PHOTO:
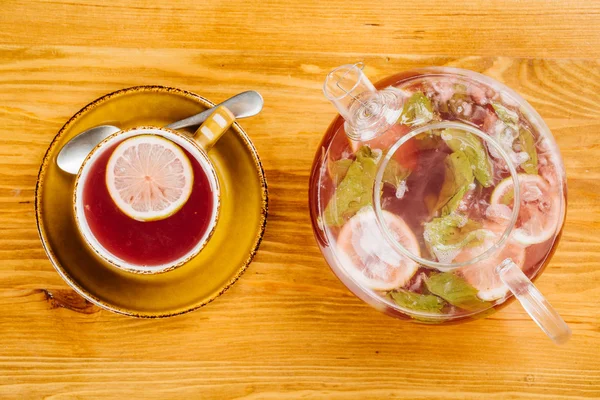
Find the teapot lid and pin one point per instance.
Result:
(367, 112)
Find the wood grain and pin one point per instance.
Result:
(288, 328)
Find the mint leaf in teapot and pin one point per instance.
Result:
(471, 145)
(427, 141)
(460, 105)
(457, 181)
(395, 174)
(506, 115)
(455, 290)
(528, 145)
(417, 302)
(355, 179)
(417, 110)
(355, 189)
(338, 169)
(447, 236)
(526, 139)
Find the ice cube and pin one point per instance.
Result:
(479, 115)
(506, 136)
(445, 135)
(497, 133)
(401, 189)
(543, 145)
(512, 132)
(444, 89)
(550, 172)
(477, 93)
(499, 127)
(519, 158)
(498, 212)
(467, 109)
(545, 205)
(531, 193)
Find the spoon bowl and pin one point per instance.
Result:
(73, 153)
(71, 156)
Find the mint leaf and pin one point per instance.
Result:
(528, 144)
(395, 173)
(446, 236)
(459, 88)
(416, 110)
(457, 178)
(355, 179)
(507, 116)
(455, 290)
(526, 139)
(355, 190)
(459, 105)
(470, 144)
(417, 302)
(338, 169)
(427, 141)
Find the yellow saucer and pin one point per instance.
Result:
(235, 240)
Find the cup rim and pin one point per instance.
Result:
(95, 245)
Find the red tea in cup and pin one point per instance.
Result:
(147, 199)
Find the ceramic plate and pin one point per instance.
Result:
(235, 240)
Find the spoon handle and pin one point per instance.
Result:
(245, 104)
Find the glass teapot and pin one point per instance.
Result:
(438, 195)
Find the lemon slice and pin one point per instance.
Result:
(539, 211)
(369, 259)
(149, 177)
(482, 275)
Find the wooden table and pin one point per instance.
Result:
(289, 328)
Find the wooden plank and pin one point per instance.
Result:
(535, 28)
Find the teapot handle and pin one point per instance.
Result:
(534, 303)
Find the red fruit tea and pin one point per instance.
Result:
(149, 243)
